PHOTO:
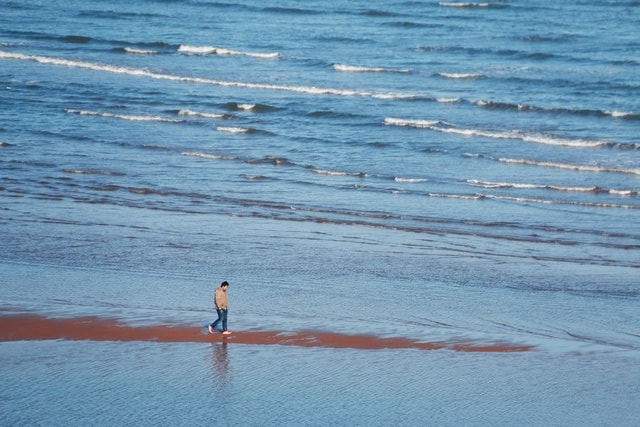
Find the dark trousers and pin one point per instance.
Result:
(222, 317)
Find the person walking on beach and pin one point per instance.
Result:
(222, 307)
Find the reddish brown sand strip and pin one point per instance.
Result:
(35, 327)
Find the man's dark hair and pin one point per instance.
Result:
(225, 283)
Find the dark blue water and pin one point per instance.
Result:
(434, 170)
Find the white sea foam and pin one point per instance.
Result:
(519, 107)
(440, 126)
(560, 202)
(122, 116)
(200, 114)
(358, 69)
(212, 50)
(226, 129)
(463, 4)
(205, 155)
(520, 199)
(139, 51)
(624, 193)
(338, 173)
(491, 184)
(246, 107)
(311, 90)
(392, 121)
(460, 76)
(457, 196)
(411, 180)
(328, 172)
(569, 166)
(619, 114)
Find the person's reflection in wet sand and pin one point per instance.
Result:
(220, 363)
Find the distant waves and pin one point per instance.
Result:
(199, 80)
(440, 126)
(433, 125)
(212, 50)
(361, 69)
(135, 118)
(369, 179)
(313, 90)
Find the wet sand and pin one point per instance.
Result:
(35, 327)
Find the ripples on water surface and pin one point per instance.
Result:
(432, 171)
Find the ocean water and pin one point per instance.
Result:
(439, 171)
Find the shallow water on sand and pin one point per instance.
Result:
(574, 373)
(146, 383)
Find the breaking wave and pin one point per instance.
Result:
(117, 69)
(358, 69)
(212, 50)
(122, 116)
(569, 166)
(440, 126)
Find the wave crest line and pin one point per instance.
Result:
(117, 69)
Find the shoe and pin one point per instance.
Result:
(211, 330)
(226, 333)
